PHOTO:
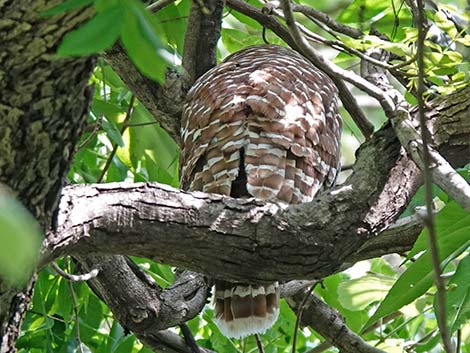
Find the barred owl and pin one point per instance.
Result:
(265, 124)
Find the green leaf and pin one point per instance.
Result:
(235, 40)
(357, 294)
(96, 35)
(67, 6)
(418, 278)
(451, 218)
(329, 292)
(142, 42)
(20, 239)
(458, 295)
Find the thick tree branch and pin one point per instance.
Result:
(140, 304)
(226, 238)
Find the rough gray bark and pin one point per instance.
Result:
(41, 118)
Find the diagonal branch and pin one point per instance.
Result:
(163, 102)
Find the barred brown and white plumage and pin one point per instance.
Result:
(264, 124)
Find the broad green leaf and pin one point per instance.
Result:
(64, 300)
(172, 22)
(125, 345)
(458, 295)
(124, 152)
(109, 109)
(451, 218)
(142, 42)
(357, 294)
(96, 35)
(418, 278)
(20, 239)
(67, 6)
(329, 292)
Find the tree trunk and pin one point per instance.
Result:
(43, 109)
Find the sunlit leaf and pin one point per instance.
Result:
(142, 42)
(357, 294)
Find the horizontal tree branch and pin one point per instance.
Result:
(227, 238)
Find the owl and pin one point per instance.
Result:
(264, 124)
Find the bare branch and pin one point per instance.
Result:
(428, 219)
(158, 5)
(328, 21)
(75, 278)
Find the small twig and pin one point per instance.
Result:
(75, 312)
(421, 341)
(115, 146)
(189, 338)
(158, 5)
(259, 344)
(429, 219)
(328, 21)
(299, 316)
(96, 129)
(459, 341)
(75, 278)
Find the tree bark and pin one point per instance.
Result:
(43, 108)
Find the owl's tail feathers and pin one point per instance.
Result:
(243, 309)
